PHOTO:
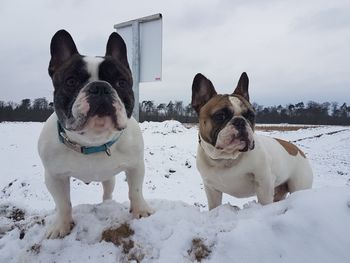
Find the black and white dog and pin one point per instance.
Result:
(91, 135)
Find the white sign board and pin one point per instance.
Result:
(143, 38)
(150, 49)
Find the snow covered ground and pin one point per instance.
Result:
(309, 226)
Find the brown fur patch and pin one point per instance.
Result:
(290, 148)
(206, 126)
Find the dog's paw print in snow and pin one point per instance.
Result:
(6, 190)
(15, 186)
(342, 173)
(188, 164)
(150, 185)
(199, 205)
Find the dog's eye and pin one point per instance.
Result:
(219, 116)
(121, 83)
(71, 82)
(249, 115)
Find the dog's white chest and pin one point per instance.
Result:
(230, 182)
(59, 160)
(93, 168)
(233, 180)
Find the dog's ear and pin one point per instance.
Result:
(242, 86)
(62, 48)
(202, 91)
(116, 48)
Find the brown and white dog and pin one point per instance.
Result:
(232, 159)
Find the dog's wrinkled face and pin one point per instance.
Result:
(226, 122)
(92, 94)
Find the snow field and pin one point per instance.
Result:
(309, 226)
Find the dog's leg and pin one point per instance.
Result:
(59, 187)
(214, 197)
(281, 192)
(108, 187)
(138, 205)
(265, 189)
(302, 178)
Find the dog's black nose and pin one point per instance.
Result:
(238, 122)
(99, 88)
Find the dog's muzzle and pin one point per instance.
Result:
(244, 135)
(99, 88)
(101, 97)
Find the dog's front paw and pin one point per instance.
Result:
(141, 210)
(59, 229)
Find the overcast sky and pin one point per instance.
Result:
(292, 50)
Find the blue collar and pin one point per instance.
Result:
(62, 136)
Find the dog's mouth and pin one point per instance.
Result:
(249, 145)
(99, 118)
(100, 124)
(235, 138)
(97, 123)
(234, 143)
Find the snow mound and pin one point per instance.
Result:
(164, 127)
(309, 226)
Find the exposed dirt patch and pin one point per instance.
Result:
(16, 214)
(17, 218)
(121, 237)
(264, 127)
(11, 212)
(320, 135)
(198, 250)
(268, 128)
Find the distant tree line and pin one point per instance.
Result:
(299, 113)
(310, 113)
(149, 111)
(37, 110)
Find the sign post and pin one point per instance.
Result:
(143, 38)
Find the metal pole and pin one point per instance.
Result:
(136, 66)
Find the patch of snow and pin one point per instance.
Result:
(309, 226)
(163, 128)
